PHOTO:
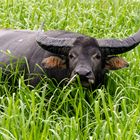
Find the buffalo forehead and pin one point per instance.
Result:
(88, 49)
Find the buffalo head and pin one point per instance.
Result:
(87, 57)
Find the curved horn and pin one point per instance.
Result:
(59, 42)
(115, 46)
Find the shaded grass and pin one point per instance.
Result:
(72, 112)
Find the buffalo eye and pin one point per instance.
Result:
(72, 56)
(96, 56)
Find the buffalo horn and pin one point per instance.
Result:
(58, 42)
(115, 46)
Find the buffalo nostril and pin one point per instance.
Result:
(89, 72)
(82, 72)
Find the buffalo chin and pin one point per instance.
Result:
(86, 82)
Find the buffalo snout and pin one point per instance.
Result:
(82, 72)
(85, 74)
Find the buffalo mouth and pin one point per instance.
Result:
(85, 81)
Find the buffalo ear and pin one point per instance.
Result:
(53, 62)
(115, 63)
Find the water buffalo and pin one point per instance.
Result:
(62, 54)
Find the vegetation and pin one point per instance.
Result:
(72, 112)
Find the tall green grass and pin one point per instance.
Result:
(73, 112)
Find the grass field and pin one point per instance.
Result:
(56, 113)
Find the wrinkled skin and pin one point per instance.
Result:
(86, 60)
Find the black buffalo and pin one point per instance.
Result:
(62, 54)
